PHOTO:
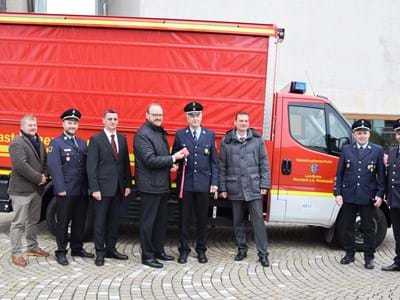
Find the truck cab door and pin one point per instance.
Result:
(312, 134)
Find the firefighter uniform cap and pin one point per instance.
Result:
(396, 125)
(361, 124)
(71, 114)
(193, 107)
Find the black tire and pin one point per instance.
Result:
(380, 230)
(51, 219)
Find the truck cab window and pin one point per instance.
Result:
(340, 134)
(308, 127)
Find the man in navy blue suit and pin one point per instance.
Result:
(393, 195)
(67, 167)
(359, 188)
(200, 179)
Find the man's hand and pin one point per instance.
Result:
(263, 191)
(213, 189)
(127, 192)
(339, 200)
(97, 195)
(385, 159)
(44, 180)
(62, 194)
(224, 195)
(179, 155)
(174, 168)
(378, 201)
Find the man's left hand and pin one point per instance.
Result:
(127, 192)
(263, 191)
(378, 201)
(213, 189)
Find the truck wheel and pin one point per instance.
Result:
(380, 230)
(51, 220)
(51, 216)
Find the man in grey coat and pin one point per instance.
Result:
(27, 180)
(244, 178)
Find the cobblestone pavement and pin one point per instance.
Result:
(302, 267)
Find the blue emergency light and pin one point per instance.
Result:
(298, 87)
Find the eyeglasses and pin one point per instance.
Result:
(112, 119)
(156, 115)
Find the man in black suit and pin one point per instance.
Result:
(109, 178)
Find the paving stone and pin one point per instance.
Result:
(302, 267)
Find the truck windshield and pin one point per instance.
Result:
(308, 126)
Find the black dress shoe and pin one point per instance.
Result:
(240, 255)
(152, 262)
(163, 256)
(82, 253)
(61, 258)
(392, 267)
(264, 261)
(99, 261)
(369, 263)
(182, 259)
(201, 256)
(115, 254)
(347, 259)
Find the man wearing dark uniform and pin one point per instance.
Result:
(200, 179)
(67, 167)
(359, 188)
(393, 195)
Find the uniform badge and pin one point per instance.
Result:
(206, 151)
(371, 167)
(348, 164)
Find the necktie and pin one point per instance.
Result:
(75, 141)
(360, 150)
(114, 146)
(194, 136)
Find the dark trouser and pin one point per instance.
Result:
(71, 209)
(106, 221)
(257, 220)
(153, 224)
(395, 216)
(367, 213)
(197, 202)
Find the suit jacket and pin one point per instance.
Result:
(360, 177)
(393, 178)
(106, 173)
(202, 164)
(27, 167)
(67, 166)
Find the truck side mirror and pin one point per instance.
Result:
(341, 142)
(338, 143)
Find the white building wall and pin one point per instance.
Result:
(74, 7)
(350, 49)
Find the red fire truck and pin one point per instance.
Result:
(53, 62)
